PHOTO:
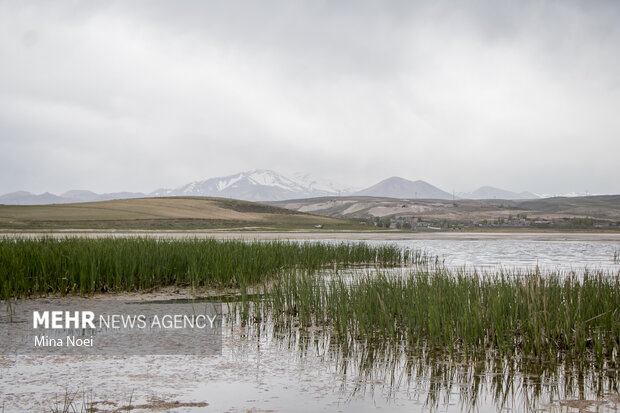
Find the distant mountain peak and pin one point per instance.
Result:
(490, 192)
(265, 185)
(257, 185)
(27, 198)
(397, 187)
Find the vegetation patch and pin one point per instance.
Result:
(536, 317)
(85, 266)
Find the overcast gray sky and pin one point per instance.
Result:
(132, 96)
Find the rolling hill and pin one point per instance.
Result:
(605, 207)
(178, 213)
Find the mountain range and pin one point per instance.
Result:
(258, 185)
(28, 198)
(489, 192)
(266, 185)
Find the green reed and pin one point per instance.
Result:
(84, 266)
(528, 315)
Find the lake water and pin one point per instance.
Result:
(264, 370)
(261, 373)
(522, 254)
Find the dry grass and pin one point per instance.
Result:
(161, 213)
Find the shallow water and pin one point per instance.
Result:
(267, 372)
(264, 370)
(569, 255)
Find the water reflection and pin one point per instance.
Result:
(441, 378)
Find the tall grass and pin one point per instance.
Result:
(84, 266)
(519, 338)
(536, 317)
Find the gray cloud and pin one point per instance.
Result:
(115, 96)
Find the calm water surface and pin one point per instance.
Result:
(522, 254)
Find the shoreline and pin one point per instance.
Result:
(305, 235)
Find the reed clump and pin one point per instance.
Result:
(84, 266)
(529, 316)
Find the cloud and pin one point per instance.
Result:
(137, 95)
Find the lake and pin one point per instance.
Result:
(262, 368)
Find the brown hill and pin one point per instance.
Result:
(163, 213)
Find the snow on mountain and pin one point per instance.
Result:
(266, 185)
(161, 192)
(315, 184)
(256, 185)
(568, 195)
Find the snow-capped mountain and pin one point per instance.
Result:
(266, 185)
(257, 185)
(314, 184)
